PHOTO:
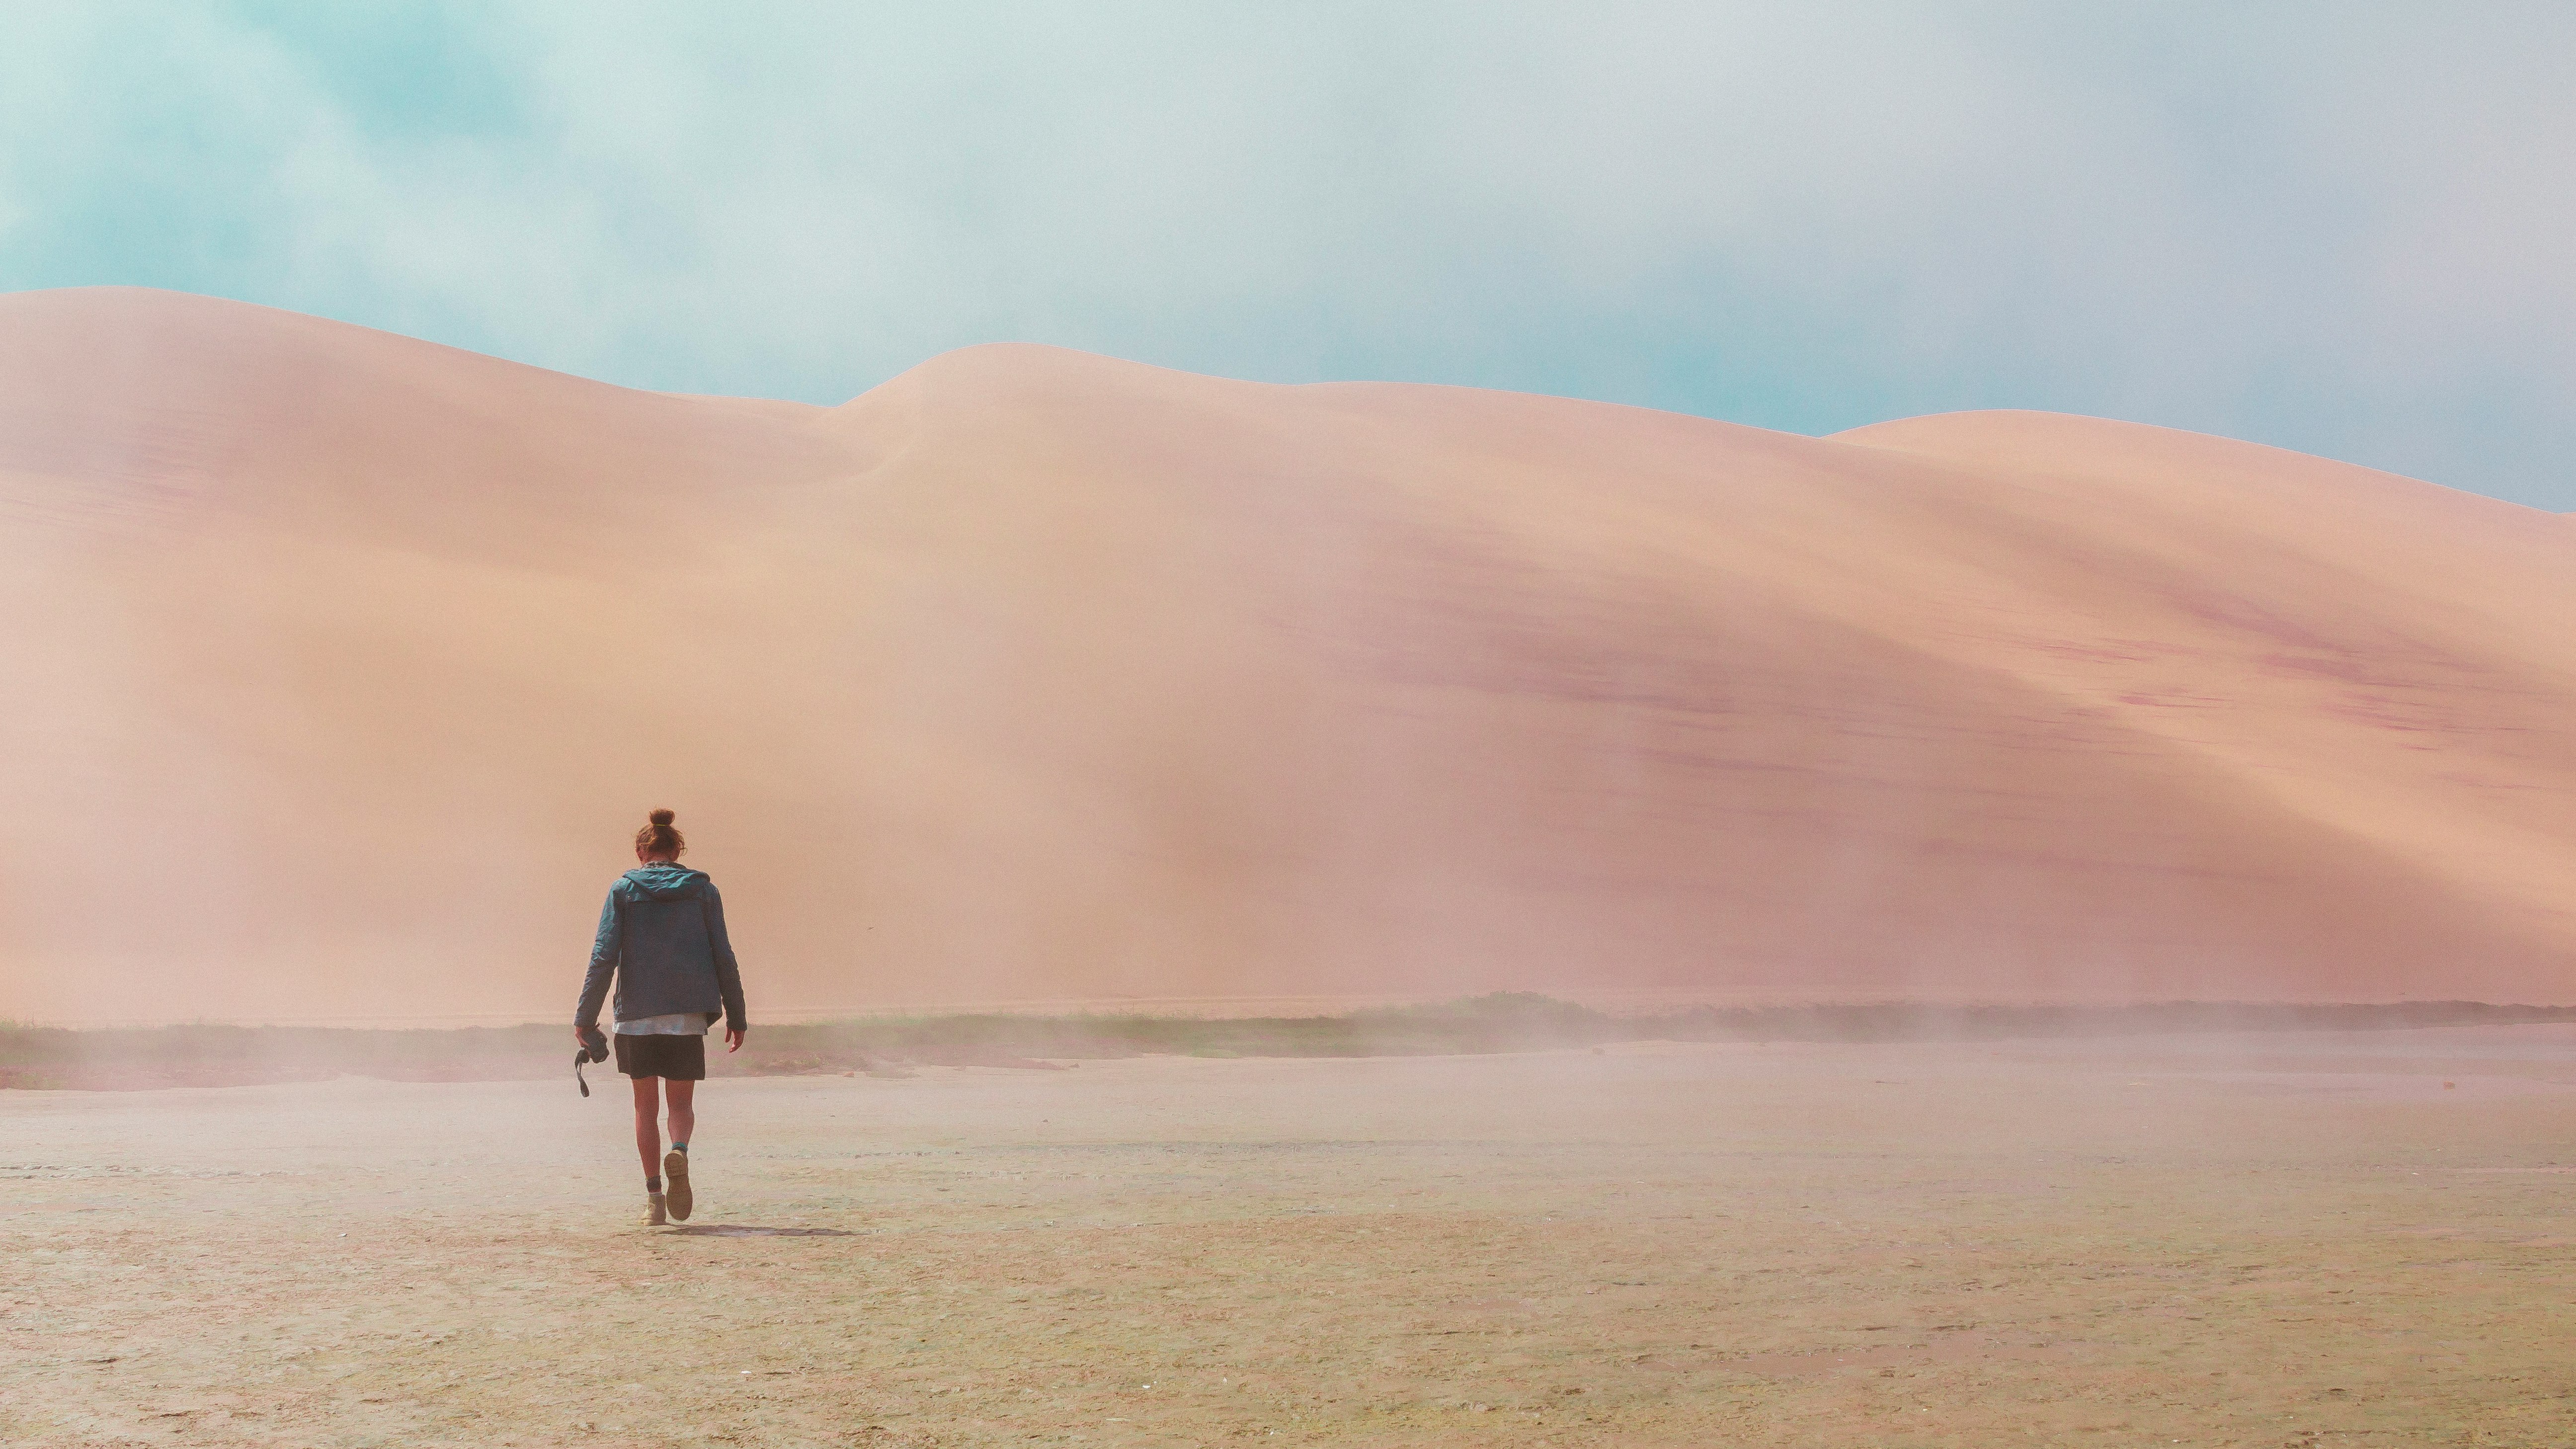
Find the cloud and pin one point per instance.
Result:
(2336, 227)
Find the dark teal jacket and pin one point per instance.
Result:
(662, 936)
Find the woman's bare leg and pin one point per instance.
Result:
(648, 1130)
(683, 1097)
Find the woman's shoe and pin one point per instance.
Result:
(653, 1216)
(675, 1185)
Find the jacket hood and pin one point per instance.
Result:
(659, 882)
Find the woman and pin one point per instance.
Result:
(662, 936)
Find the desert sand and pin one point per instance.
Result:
(341, 665)
(2317, 1240)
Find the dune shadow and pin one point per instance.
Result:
(744, 1230)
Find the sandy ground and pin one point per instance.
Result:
(2314, 1240)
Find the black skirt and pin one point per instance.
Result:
(680, 1058)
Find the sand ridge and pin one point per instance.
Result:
(1029, 674)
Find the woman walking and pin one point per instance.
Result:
(662, 937)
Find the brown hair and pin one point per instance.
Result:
(658, 838)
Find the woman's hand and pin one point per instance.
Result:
(733, 1038)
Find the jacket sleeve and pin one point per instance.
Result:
(728, 974)
(603, 965)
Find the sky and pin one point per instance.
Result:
(2345, 228)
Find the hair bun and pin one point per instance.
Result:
(660, 817)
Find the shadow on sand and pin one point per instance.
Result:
(740, 1230)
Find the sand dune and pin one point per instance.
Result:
(342, 664)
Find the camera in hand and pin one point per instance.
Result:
(594, 1048)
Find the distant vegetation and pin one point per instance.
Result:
(894, 1045)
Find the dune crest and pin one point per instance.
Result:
(344, 663)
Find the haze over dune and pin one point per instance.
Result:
(341, 666)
